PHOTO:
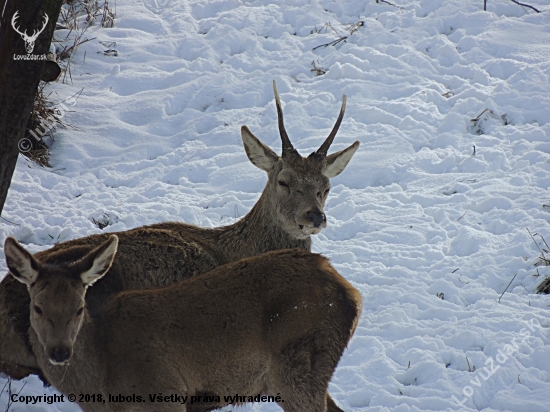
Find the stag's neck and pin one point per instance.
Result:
(256, 233)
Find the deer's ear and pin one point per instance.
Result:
(337, 162)
(22, 265)
(96, 263)
(258, 153)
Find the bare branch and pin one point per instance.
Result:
(352, 29)
(387, 2)
(507, 287)
(524, 5)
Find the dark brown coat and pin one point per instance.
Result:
(289, 210)
(274, 324)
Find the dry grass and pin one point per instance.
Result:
(43, 119)
(91, 9)
(319, 71)
(76, 16)
(9, 391)
(544, 260)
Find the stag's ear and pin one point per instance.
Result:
(259, 154)
(98, 261)
(22, 265)
(338, 161)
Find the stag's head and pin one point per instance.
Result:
(29, 40)
(298, 186)
(57, 293)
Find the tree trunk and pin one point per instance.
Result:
(19, 78)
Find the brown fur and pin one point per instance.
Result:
(272, 324)
(165, 253)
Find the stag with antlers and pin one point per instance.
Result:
(29, 40)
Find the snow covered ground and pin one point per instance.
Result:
(430, 231)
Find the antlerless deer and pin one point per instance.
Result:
(288, 211)
(274, 324)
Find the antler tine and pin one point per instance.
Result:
(287, 145)
(47, 19)
(326, 144)
(13, 20)
(36, 33)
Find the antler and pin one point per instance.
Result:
(287, 145)
(326, 144)
(36, 33)
(13, 19)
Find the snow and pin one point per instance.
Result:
(415, 215)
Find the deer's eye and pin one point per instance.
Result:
(283, 184)
(327, 191)
(38, 310)
(79, 311)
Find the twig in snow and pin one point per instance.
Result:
(534, 241)
(409, 365)
(513, 1)
(524, 5)
(110, 52)
(507, 287)
(16, 224)
(462, 217)
(325, 26)
(352, 29)
(74, 98)
(332, 43)
(479, 115)
(469, 368)
(544, 243)
(455, 270)
(11, 395)
(474, 153)
(8, 383)
(391, 4)
(319, 71)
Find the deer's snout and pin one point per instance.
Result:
(60, 354)
(316, 217)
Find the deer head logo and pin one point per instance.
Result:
(29, 40)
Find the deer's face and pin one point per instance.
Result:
(298, 186)
(57, 307)
(57, 293)
(29, 44)
(300, 191)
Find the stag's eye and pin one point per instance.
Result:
(38, 310)
(79, 311)
(326, 192)
(283, 184)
